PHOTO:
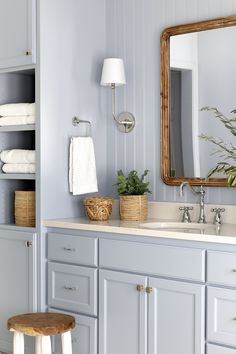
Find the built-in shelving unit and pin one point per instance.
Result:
(19, 176)
(18, 128)
(15, 87)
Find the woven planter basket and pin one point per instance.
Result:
(133, 207)
(98, 208)
(25, 208)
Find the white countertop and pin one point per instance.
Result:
(226, 234)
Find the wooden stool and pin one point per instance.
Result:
(41, 326)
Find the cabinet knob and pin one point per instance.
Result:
(140, 288)
(149, 289)
(28, 52)
(28, 244)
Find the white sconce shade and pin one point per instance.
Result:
(113, 72)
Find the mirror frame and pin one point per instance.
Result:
(165, 99)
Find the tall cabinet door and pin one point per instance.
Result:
(176, 317)
(123, 313)
(17, 32)
(18, 280)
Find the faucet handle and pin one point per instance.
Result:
(186, 215)
(217, 218)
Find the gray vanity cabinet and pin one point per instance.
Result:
(122, 313)
(18, 279)
(176, 317)
(147, 314)
(17, 33)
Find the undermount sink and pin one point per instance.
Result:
(176, 225)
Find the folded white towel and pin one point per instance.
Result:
(82, 167)
(18, 156)
(16, 120)
(17, 109)
(18, 168)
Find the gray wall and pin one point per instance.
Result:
(72, 48)
(133, 29)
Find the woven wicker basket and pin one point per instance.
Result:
(25, 208)
(133, 207)
(98, 208)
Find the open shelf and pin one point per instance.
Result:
(21, 176)
(13, 227)
(18, 128)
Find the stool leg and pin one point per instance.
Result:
(66, 343)
(43, 345)
(18, 343)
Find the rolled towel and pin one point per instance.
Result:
(18, 168)
(17, 156)
(16, 120)
(17, 109)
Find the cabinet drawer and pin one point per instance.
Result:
(84, 335)
(221, 268)
(221, 316)
(72, 288)
(72, 249)
(215, 349)
(176, 262)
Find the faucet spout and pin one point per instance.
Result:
(201, 192)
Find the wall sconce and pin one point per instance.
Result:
(113, 74)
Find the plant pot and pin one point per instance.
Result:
(133, 207)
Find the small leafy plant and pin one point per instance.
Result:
(132, 184)
(226, 151)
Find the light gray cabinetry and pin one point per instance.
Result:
(18, 279)
(84, 335)
(215, 349)
(176, 317)
(123, 313)
(140, 314)
(72, 286)
(17, 33)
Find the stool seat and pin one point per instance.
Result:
(41, 324)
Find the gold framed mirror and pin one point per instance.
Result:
(185, 89)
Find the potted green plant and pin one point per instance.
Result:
(132, 190)
(226, 151)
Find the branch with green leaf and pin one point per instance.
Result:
(226, 151)
(132, 184)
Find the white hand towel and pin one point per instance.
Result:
(16, 120)
(17, 109)
(18, 156)
(82, 169)
(18, 168)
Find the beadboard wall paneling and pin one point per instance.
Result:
(133, 29)
(72, 48)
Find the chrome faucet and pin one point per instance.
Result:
(200, 191)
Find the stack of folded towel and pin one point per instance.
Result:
(17, 114)
(18, 161)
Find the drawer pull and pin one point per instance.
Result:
(234, 319)
(70, 288)
(68, 249)
(234, 270)
(140, 288)
(74, 340)
(149, 289)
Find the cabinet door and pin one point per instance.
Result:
(17, 32)
(17, 279)
(176, 317)
(122, 314)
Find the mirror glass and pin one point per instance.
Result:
(202, 73)
(198, 70)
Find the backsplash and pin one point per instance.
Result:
(133, 29)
